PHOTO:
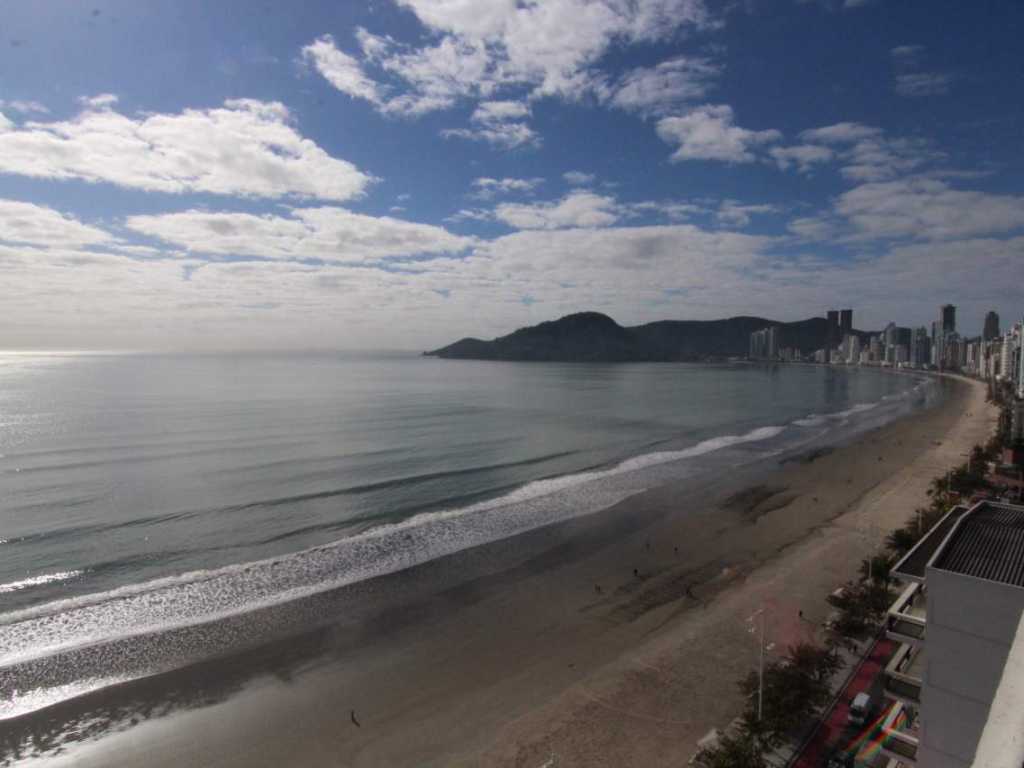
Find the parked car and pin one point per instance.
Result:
(839, 758)
(860, 709)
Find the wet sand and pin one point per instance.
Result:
(548, 649)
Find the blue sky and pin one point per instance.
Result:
(399, 173)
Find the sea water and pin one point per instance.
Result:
(144, 493)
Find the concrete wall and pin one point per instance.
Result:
(1002, 741)
(971, 627)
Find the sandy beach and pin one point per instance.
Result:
(612, 640)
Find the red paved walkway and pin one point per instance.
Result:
(832, 728)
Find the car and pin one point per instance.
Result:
(860, 709)
(839, 758)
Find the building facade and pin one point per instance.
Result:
(845, 322)
(958, 623)
(991, 326)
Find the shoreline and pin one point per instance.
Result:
(506, 664)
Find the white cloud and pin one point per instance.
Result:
(804, 156)
(671, 209)
(916, 84)
(708, 133)
(327, 233)
(579, 178)
(500, 111)
(868, 154)
(812, 228)
(911, 83)
(880, 159)
(36, 225)
(636, 274)
(478, 49)
(577, 209)
(341, 70)
(5, 123)
(505, 135)
(625, 271)
(100, 101)
(549, 45)
(487, 187)
(498, 123)
(246, 148)
(840, 133)
(733, 213)
(24, 107)
(666, 87)
(904, 53)
(927, 209)
(471, 214)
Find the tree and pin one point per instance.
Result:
(793, 689)
(861, 607)
(742, 750)
(876, 568)
(902, 540)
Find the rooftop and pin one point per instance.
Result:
(988, 544)
(911, 566)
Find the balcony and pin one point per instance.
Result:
(905, 622)
(901, 736)
(903, 675)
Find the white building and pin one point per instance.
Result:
(962, 645)
(851, 346)
(1006, 356)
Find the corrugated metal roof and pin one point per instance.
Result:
(987, 544)
(912, 565)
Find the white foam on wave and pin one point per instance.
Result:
(23, 702)
(817, 419)
(36, 581)
(203, 596)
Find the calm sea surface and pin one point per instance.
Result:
(139, 492)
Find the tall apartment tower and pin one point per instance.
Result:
(947, 318)
(845, 322)
(991, 326)
(833, 328)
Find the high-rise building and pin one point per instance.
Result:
(991, 326)
(851, 344)
(845, 322)
(947, 318)
(889, 335)
(955, 677)
(832, 338)
(1006, 357)
(939, 342)
(764, 344)
(875, 349)
(1020, 367)
(920, 347)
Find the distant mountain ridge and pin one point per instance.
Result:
(595, 337)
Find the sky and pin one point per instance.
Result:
(402, 173)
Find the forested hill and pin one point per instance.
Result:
(594, 337)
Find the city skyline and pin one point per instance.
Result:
(995, 355)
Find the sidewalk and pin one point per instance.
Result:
(834, 730)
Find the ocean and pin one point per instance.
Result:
(141, 494)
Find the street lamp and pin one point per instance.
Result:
(760, 613)
(871, 534)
